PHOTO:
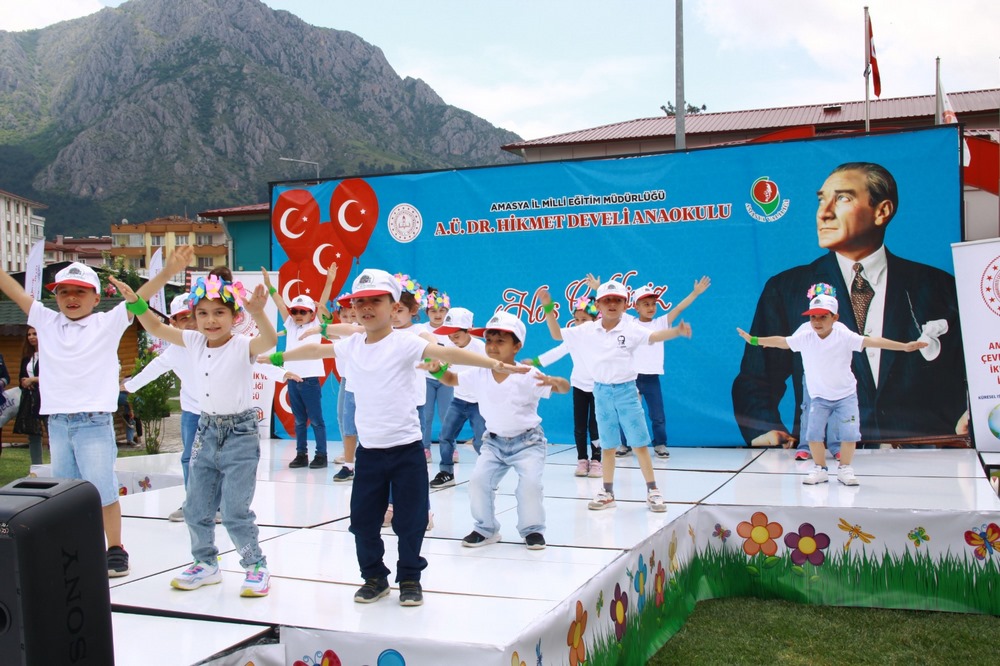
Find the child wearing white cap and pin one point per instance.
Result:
(79, 348)
(381, 366)
(302, 378)
(827, 346)
(514, 438)
(649, 358)
(607, 347)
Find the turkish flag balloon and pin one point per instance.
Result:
(295, 220)
(354, 213)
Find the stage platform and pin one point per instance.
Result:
(602, 575)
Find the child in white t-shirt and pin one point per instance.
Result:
(223, 468)
(381, 365)
(514, 438)
(827, 347)
(606, 346)
(649, 359)
(438, 396)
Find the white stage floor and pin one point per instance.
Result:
(486, 596)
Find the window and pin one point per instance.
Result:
(182, 238)
(156, 240)
(205, 263)
(204, 239)
(137, 262)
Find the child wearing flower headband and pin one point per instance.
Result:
(827, 347)
(404, 315)
(439, 396)
(227, 446)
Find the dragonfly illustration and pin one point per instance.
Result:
(854, 532)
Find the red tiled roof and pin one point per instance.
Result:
(251, 209)
(838, 113)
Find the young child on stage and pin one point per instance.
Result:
(345, 402)
(302, 378)
(223, 468)
(79, 350)
(584, 416)
(827, 346)
(509, 404)
(464, 407)
(439, 396)
(607, 346)
(381, 365)
(649, 359)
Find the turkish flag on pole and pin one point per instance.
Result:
(871, 62)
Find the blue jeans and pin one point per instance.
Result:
(525, 453)
(346, 407)
(832, 435)
(619, 412)
(651, 392)
(83, 446)
(189, 426)
(438, 396)
(304, 399)
(458, 413)
(223, 473)
(404, 468)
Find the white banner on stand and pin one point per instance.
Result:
(977, 277)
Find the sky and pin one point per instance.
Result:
(544, 67)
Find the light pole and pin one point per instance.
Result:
(291, 159)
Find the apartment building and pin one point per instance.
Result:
(20, 228)
(137, 243)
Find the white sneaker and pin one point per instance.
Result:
(339, 460)
(654, 500)
(845, 474)
(817, 475)
(196, 575)
(602, 500)
(582, 467)
(596, 471)
(177, 516)
(661, 451)
(257, 582)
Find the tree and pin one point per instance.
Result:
(150, 403)
(690, 110)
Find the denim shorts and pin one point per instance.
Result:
(842, 414)
(618, 410)
(346, 407)
(83, 447)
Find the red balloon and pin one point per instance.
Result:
(295, 221)
(354, 213)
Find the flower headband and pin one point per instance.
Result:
(437, 299)
(820, 289)
(586, 304)
(215, 288)
(408, 284)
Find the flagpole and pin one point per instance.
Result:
(938, 94)
(680, 139)
(868, 69)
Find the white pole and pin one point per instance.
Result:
(680, 140)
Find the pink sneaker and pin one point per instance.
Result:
(427, 454)
(595, 471)
(582, 467)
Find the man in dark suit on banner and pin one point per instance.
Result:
(900, 395)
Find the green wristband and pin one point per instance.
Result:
(440, 372)
(535, 362)
(272, 291)
(754, 341)
(278, 359)
(322, 329)
(548, 307)
(137, 308)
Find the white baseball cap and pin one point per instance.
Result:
(179, 305)
(373, 282)
(457, 319)
(77, 274)
(612, 288)
(502, 321)
(643, 292)
(822, 304)
(303, 301)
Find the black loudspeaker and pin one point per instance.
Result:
(55, 604)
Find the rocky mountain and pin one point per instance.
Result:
(170, 106)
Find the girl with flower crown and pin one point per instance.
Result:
(223, 467)
(439, 396)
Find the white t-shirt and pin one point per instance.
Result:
(648, 359)
(509, 407)
(174, 358)
(224, 373)
(80, 358)
(382, 379)
(827, 361)
(312, 367)
(579, 377)
(419, 376)
(607, 354)
(462, 393)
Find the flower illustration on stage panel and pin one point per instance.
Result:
(759, 535)
(619, 611)
(515, 660)
(807, 545)
(918, 535)
(721, 533)
(659, 583)
(639, 584)
(574, 638)
(854, 532)
(145, 484)
(691, 533)
(327, 658)
(985, 540)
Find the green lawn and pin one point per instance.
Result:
(15, 462)
(752, 631)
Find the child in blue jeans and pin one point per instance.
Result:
(223, 468)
